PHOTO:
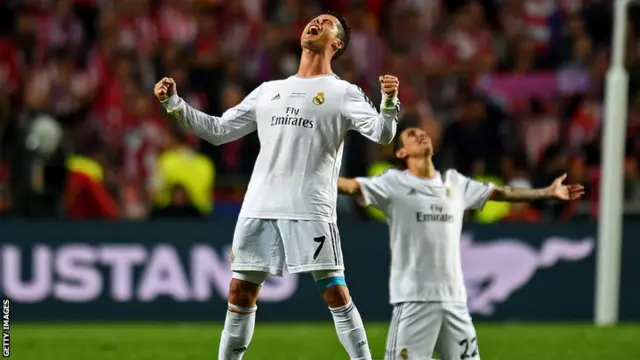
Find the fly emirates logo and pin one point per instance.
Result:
(292, 118)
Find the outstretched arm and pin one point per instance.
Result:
(364, 118)
(349, 186)
(554, 191)
(232, 125)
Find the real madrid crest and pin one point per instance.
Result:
(319, 98)
(404, 353)
(447, 192)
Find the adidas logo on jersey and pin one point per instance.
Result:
(277, 97)
(412, 192)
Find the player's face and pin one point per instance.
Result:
(321, 33)
(416, 143)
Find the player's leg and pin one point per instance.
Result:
(346, 318)
(256, 251)
(458, 339)
(241, 314)
(413, 331)
(314, 247)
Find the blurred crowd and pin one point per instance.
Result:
(511, 91)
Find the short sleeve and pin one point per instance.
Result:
(475, 193)
(376, 191)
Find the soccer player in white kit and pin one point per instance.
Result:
(288, 218)
(424, 210)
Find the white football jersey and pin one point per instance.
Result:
(425, 225)
(301, 124)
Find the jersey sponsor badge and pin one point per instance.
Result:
(319, 98)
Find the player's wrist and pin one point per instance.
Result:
(546, 193)
(170, 102)
(389, 101)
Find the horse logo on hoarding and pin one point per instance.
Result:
(509, 264)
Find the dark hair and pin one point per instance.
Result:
(397, 145)
(344, 32)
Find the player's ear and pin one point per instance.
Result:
(401, 153)
(337, 44)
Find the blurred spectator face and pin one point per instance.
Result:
(475, 12)
(181, 76)
(582, 49)
(108, 23)
(26, 26)
(478, 167)
(64, 9)
(600, 64)
(179, 196)
(575, 26)
(171, 53)
(526, 47)
(124, 68)
(232, 96)
(206, 23)
(141, 106)
(464, 20)
(272, 36)
(478, 109)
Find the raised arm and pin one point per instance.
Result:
(554, 191)
(234, 123)
(377, 126)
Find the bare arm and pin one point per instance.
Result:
(554, 191)
(349, 186)
(516, 194)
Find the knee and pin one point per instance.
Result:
(245, 288)
(333, 287)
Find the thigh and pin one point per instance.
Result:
(310, 245)
(413, 331)
(458, 339)
(257, 246)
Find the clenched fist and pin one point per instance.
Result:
(389, 85)
(165, 88)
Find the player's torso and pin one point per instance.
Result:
(301, 130)
(426, 221)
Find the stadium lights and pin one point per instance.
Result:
(607, 297)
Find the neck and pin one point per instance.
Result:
(314, 64)
(422, 167)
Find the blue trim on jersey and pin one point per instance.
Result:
(331, 281)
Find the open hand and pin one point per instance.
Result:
(559, 191)
(389, 85)
(165, 88)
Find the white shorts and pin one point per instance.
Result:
(420, 328)
(267, 245)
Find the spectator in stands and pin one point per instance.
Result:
(180, 206)
(90, 63)
(180, 165)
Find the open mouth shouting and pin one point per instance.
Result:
(314, 30)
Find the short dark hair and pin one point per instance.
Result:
(344, 32)
(397, 145)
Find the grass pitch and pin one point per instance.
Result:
(172, 341)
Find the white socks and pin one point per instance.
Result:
(237, 332)
(351, 331)
(239, 325)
